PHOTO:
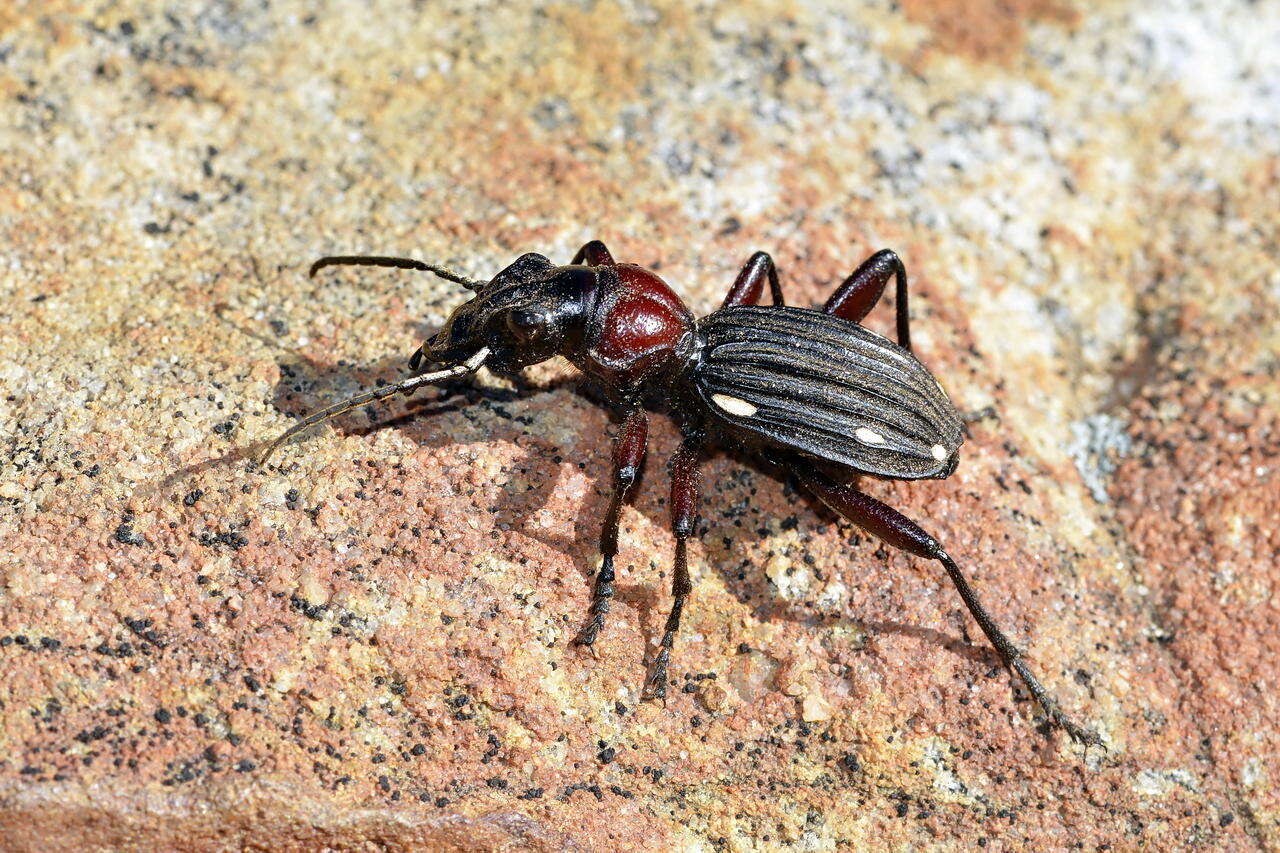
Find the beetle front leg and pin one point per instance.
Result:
(859, 293)
(594, 253)
(887, 523)
(684, 517)
(749, 286)
(628, 455)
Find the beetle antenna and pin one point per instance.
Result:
(402, 387)
(398, 263)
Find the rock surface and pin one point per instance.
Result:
(367, 642)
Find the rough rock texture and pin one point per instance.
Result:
(367, 643)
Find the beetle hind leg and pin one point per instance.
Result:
(1012, 658)
(684, 514)
(895, 528)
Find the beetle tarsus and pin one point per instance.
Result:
(1050, 707)
(1012, 656)
(655, 677)
(601, 598)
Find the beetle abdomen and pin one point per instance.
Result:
(804, 380)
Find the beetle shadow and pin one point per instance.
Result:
(307, 384)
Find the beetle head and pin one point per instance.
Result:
(528, 313)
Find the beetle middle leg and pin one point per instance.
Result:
(887, 523)
(684, 516)
(749, 285)
(628, 455)
(859, 293)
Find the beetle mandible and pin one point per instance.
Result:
(811, 391)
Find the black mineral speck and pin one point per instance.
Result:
(126, 535)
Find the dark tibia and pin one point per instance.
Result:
(895, 528)
(595, 254)
(859, 293)
(684, 516)
(749, 286)
(628, 454)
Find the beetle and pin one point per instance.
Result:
(811, 391)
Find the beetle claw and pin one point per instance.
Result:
(655, 680)
(587, 647)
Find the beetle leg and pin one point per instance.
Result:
(628, 454)
(855, 298)
(684, 516)
(895, 528)
(594, 253)
(749, 286)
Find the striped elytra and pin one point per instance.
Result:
(825, 387)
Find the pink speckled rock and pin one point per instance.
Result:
(367, 643)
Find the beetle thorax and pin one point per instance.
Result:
(637, 329)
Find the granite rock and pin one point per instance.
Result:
(367, 642)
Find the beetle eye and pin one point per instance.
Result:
(526, 324)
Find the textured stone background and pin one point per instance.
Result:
(368, 642)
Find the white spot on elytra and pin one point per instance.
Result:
(868, 436)
(734, 405)
(939, 452)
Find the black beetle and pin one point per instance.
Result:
(810, 391)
